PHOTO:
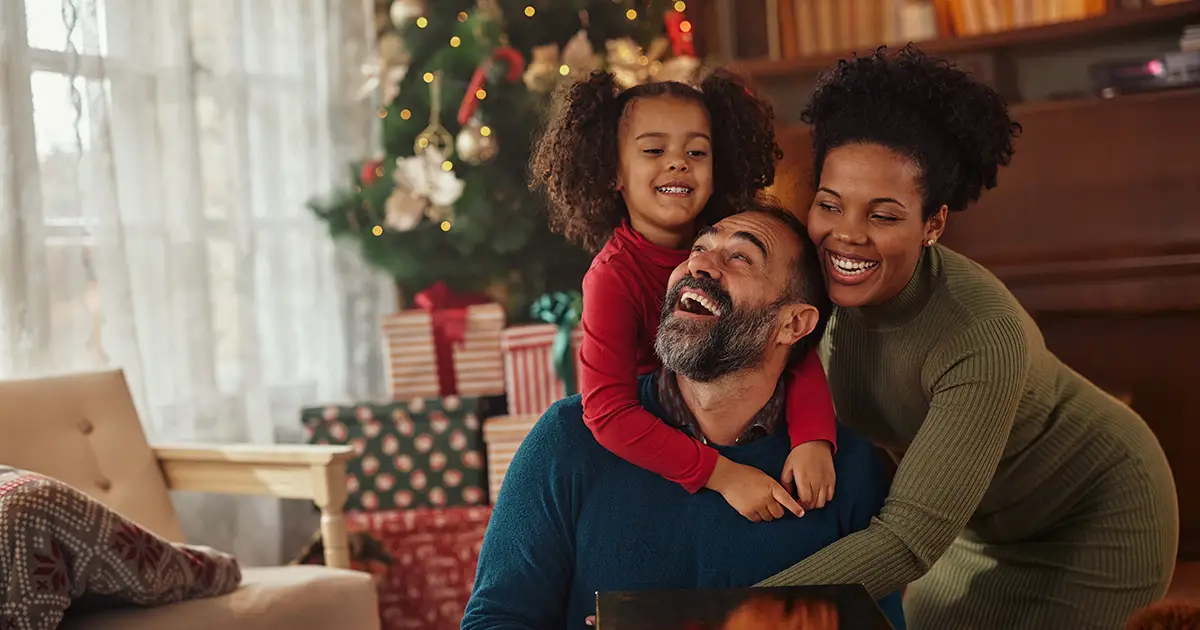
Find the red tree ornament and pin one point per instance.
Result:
(679, 29)
(371, 171)
(515, 64)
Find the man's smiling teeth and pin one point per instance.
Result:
(674, 190)
(690, 299)
(850, 266)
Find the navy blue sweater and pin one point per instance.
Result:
(573, 519)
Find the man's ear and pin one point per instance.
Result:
(799, 320)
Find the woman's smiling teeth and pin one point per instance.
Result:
(851, 266)
(698, 304)
(674, 190)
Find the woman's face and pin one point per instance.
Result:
(866, 220)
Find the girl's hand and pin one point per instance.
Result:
(752, 492)
(809, 472)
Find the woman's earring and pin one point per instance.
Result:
(930, 242)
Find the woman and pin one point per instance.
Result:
(1025, 496)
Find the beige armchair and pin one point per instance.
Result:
(83, 429)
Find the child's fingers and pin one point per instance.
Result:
(788, 479)
(804, 492)
(787, 501)
(821, 498)
(590, 620)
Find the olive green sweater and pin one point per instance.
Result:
(997, 439)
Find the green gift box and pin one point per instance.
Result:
(426, 452)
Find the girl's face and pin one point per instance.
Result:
(664, 167)
(866, 220)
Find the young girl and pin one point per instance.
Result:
(634, 174)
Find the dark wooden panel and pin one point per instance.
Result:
(1153, 359)
(793, 176)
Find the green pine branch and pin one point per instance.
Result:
(498, 234)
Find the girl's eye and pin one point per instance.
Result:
(828, 207)
(698, 154)
(885, 218)
(652, 151)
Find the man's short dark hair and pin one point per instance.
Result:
(807, 282)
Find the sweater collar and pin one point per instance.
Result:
(643, 248)
(680, 416)
(901, 309)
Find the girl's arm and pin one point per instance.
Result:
(812, 430)
(608, 379)
(810, 415)
(978, 379)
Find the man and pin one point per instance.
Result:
(573, 519)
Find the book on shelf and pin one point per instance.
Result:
(786, 29)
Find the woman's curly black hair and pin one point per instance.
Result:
(575, 161)
(954, 128)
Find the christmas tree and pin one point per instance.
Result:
(464, 86)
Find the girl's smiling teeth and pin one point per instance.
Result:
(675, 189)
(692, 302)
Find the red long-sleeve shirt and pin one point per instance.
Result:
(622, 303)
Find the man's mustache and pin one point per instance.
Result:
(709, 286)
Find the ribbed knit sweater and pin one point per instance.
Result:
(997, 439)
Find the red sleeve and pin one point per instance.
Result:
(608, 380)
(810, 413)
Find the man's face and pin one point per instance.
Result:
(724, 308)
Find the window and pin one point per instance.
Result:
(49, 57)
(194, 131)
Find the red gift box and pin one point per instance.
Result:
(434, 554)
(529, 377)
(475, 361)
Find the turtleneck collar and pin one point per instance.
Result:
(901, 309)
(643, 248)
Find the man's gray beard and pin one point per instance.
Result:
(704, 351)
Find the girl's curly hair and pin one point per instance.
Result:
(574, 163)
(957, 130)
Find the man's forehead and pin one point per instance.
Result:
(771, 231)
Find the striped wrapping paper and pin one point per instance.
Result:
(529, 377)
(412, 362)
(503, 434)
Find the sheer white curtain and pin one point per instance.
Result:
(155, 161)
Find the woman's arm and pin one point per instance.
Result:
(978, 381)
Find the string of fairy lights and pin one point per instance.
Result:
(530, 12)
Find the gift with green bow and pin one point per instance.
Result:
(541, 360)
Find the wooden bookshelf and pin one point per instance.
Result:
(1113, 24)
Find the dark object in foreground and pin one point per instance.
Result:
(1166, 615)
(836, 607)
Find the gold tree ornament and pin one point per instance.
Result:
(435, 136)
(631, 65)
(404, 11)
(475, 143)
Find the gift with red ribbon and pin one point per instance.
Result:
(448, 345)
